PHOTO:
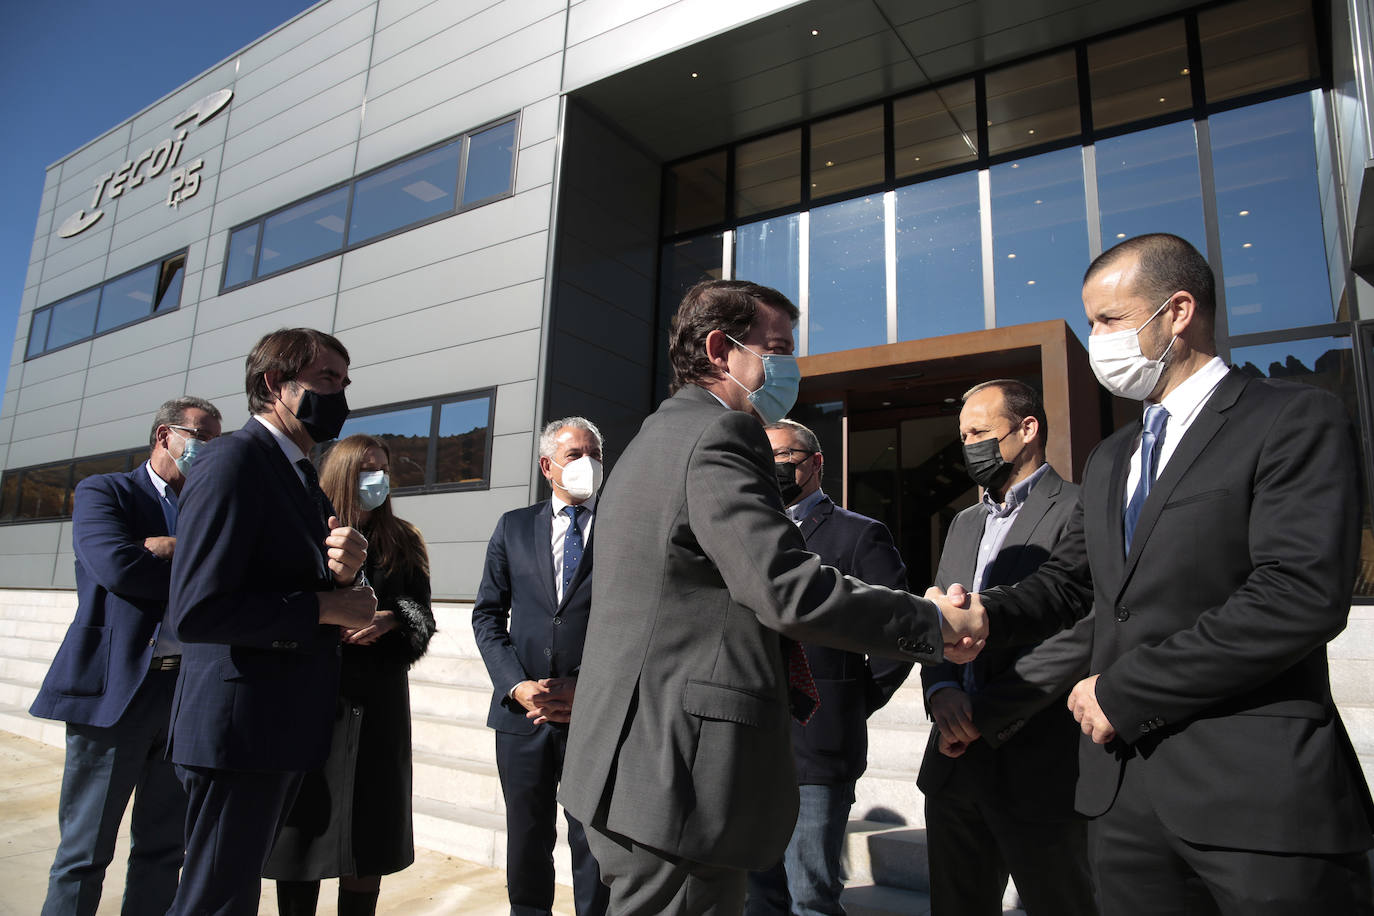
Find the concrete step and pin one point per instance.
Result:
(17, 628)
(1359, 722)
(889, 797)
(452, 738)
(875, 900)
(25, 670)
(43, 650)
(458, 671)
(897, 748)
(17, 721)
(1352, 681)
(462, 783)
(478, 836)
(17, 693)
(436, 698)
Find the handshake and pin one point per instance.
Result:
(963, 622)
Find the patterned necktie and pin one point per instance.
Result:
(572, 546)
(805, 698)
(312, 487)
(1150, 438)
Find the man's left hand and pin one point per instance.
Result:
(346, 550)
(1090, 717)
(556, 704)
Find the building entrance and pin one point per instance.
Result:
(888, 419)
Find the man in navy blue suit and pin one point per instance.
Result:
(262, 580)
(831, 749)
(113, 676)
(530, 619)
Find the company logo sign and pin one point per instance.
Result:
(183, 182)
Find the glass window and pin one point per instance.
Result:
(1033, 103)
(9, 494)
(89, 467)
(243, 251)
(847, 152)
(408, 192)
(939, 258)
(1140, 74)
(38, 332)
(73, 319)
(1039, 238)
(1327, 363)
(681, 265)
(461, 455)
(934, 129)
(1256, 45)
(127, 299)
(1148, 182)
(695, 194)
(848, 288)
(491, 163)
(1273, 254)
(170, 277)
(769, 252)
(768, 174)
(301, 233)
(406, 434)
(43, 493)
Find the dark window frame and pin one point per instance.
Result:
(350, 185)
(129, 455)
(99, 289)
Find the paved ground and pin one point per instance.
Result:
(31, 776)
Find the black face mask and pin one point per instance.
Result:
(985, 464)
(322, 415)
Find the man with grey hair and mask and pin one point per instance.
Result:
(530, 620)
(114, 674)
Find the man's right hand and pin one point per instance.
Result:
(963, 622)
(350, 608)
(952, 710)
(161, 547)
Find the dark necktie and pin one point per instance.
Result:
(803, 696)
(312, 487)
(572, 547)
(1150, 438)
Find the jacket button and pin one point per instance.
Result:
(548, 652)
(152, 642)
(558, 621)
(1122, 615)
(925, 648)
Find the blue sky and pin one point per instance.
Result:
(72, 69)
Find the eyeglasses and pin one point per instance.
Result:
(783, 454)
(202, 434)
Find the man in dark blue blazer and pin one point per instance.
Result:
(530, 619)
(831, 749)
(260, 586)
(113, 676)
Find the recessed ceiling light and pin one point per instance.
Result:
(695, 74)
(918, 158)
(1030, 282)
(1184, 72)
(1012, 255)
(1039, 201)
(1121, 235)
(1031, 131)
(815, 32)
(1246, 245)
(1161, 98)
(1016, 165)
(1245, 213)
(829, 163)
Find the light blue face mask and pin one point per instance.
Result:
(373, 487)
(188, 454)
(781, 379)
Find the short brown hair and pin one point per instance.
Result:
(731, 306)
(287, 351)
(1019, 401)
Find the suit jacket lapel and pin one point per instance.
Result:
(288, 479)
(1039, 502)
(541, 548)
(963, 543)
(1208, 422)
(817, 517)
(150, 503)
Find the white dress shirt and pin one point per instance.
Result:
(291, 450)
(1183, 405)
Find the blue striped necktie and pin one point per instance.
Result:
(1150, 439)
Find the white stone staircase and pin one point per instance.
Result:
(458, 804)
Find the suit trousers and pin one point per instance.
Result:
(1145, 870)
(974, 845)
(648, 882)
(530, 767)
(233, 818)
(809, 879)
(104, 767)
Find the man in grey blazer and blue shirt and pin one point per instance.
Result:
(993, 811)
(679, 756)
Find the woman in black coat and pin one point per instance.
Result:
(351, 819)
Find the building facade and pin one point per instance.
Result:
(496, 205)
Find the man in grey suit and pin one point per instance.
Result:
(990, 812)
(679, 757)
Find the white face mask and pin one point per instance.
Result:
(581, 477)
(373, 488)
(1120, 365)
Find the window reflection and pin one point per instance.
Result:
(462, 445)
(1256, 45)
(1141, 74)
(683, 264)
(243, 250)
(127, 299)
(73, 319)
(170, 277)
(406, 434)
(408, 192)
(1033, 103)
(306, 231)
(847, 152)
(939, 258)
(769, 252)
(491, 163)
(43, 493)
(1149, 182)
(1327, 363)
(934, 129)
(847, 288)
(768, 174)
(1039, 238)
(1272, 242)
(38, 333)
(695, 194)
